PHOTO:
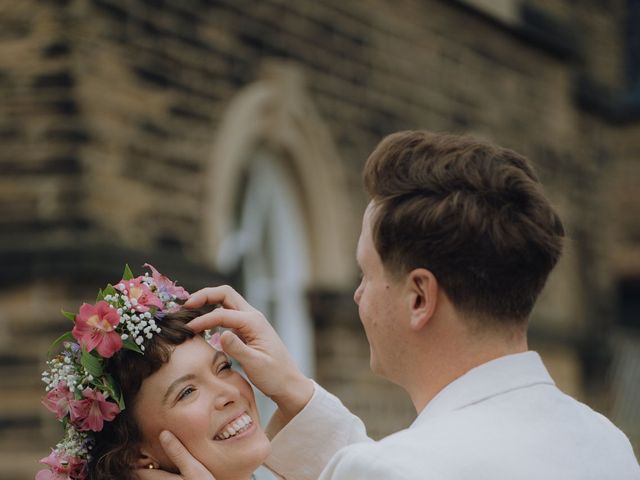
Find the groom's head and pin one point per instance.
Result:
(471, 213)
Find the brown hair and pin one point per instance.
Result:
(117, 445)
(472, 213)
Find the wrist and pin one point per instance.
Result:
(295, 397)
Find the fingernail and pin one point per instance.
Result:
(230, 337)
(165, 436)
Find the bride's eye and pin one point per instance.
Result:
(225, 366)
(186, 392)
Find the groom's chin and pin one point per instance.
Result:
(383, 369)
(374, 364)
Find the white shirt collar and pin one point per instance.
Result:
(487, 380)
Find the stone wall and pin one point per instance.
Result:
(108, 118)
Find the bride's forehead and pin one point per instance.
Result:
(186, 358)
(193, 351)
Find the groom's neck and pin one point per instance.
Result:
(449, 350)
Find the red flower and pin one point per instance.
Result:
(57, 400)
(91, 412)
(95, 328)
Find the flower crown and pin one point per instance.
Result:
(79, 391)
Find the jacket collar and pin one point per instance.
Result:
(501, 375)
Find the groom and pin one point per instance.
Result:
(456, 245)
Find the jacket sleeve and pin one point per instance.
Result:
(365, 461)
(304, 446)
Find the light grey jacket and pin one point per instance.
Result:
(504, 420)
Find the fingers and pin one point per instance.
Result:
(224, 295)
(244, 323)
(190, 468)
(236, 348)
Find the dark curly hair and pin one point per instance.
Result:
(117, 446)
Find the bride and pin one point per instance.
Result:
(130, 370)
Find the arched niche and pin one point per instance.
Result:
(275, 114)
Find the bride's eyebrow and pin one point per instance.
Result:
(185, 378)
(175, 383)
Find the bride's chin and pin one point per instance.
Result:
(251, 457)
(260, 450)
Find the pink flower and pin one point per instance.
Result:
(57, 470)
(57, 400)
(139, 293)
(91, 412)
(166, 286)
(52, 475)
(62, 467)
(95, 328)
(214, 341)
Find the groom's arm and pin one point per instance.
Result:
(327, 442)
(303, 446)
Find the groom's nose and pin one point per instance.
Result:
(357, 294)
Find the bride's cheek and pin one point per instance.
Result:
(190, 418)
(243, 387)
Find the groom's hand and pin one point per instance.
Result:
(190, 468)
(256, 345)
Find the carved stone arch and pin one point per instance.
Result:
(275, 113)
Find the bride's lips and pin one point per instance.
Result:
(237, 426)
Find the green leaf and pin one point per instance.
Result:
(69, 315)
(62, 338)
(100, 295)
(114, 390)
(91, 364)
(129, 344)
(127, 275)
(109, 290)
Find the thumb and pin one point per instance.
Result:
(190, 468)
(232, 345)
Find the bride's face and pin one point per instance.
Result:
(208, 406)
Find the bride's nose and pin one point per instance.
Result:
(224, 393)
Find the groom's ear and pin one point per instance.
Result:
(423, 288)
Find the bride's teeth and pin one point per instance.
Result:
(235, 427)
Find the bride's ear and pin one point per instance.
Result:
(146, 460)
